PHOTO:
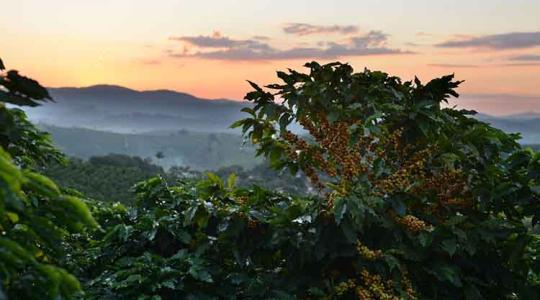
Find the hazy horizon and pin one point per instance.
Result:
(504, 107)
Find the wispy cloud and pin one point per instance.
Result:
(524, 64)
(526, 57)
(497, 65)
(225, 48)
(261, 37)
(310, 29)
(218, 41)
(453, 66)
(512, 40)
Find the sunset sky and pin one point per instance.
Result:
(209, 48)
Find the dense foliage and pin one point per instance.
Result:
(35, 217)
(197, 241)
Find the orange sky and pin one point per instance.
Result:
(209, 48)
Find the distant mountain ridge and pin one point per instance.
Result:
(527, 124)
(119, 109)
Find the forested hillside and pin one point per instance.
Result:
(106, 178)
(110, 178)
(198, 150)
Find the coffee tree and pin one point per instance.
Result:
(432, 203)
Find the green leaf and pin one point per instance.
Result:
(535, 189)
(198, 273)
(349, 232)
(25, 86)
(237, 124)
(425, 239)
(449, 274)
(391, 261)
(41, 184)
(255, 86)
(231, 181)
(449, 246)
(13, 217)
(316, 292)
(213, 178)
(248, 110)
(19, 100)
(171, 284)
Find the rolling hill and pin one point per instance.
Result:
(198, 150)
(119, 109)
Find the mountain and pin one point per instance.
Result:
(527, 124)
(118, 109)
(525, 115)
